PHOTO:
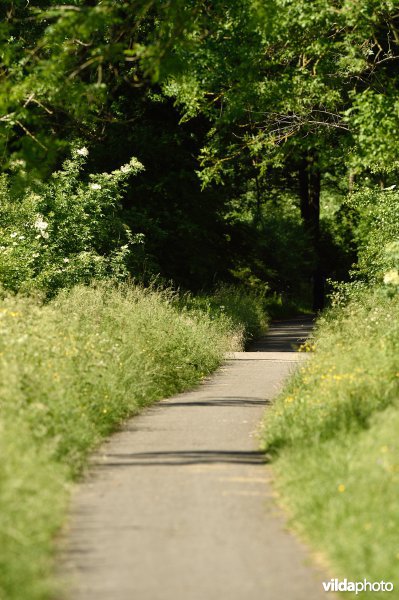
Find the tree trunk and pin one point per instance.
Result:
(309, 185)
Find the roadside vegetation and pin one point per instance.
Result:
(332, 433)
(71, 370)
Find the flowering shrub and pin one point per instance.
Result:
(66, 231)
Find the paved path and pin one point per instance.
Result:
(178, 505)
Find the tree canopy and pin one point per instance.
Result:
(255, 97)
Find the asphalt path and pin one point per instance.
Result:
(179, 504)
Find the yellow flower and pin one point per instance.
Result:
(341, 488)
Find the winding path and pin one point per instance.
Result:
(178, 505)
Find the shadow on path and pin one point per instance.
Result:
(230, 401)
(284, 336)
(181, 458)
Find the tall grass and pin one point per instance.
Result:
(332, 435)
(70, 371)
(247, 310)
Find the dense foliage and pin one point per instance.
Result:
(267, 100)
(66, 231)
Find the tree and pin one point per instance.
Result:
(279, 84)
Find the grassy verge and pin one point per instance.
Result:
(332, 435)
(247, 311)
(70, 372)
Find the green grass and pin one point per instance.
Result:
(333, 437)
(248, 311)
(70, 371)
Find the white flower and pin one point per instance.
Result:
(95, 186)
(13, 235)
(136, 164)
(391, 277)
(66, 260)
(21, 237)
(17, 163)
(125, 168)
(40, 223)
(82, 151)
(35, 254)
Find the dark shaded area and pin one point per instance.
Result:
(285, 336)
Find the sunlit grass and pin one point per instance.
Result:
(332, 435)
(70, 372)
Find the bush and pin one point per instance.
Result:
(66, 231)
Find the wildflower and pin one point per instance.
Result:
(341, 488)
(41, 225)
(82, 151)
(66, 260)
(13, 235)
(135, 164)
(95, 186)
(17, 163)
(21, 237)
